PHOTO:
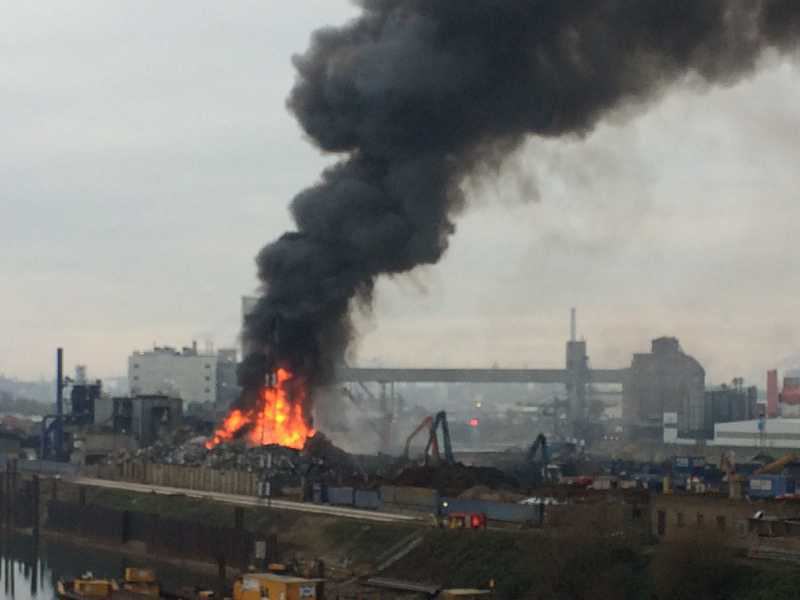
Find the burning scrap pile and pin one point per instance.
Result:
(275, 417)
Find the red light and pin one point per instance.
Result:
(476, 521)
(474, 422)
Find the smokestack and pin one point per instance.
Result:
(772, 394)
(573, 325)
(415, 95)
(59, 429)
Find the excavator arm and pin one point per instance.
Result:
(440, 422)
(539, 444)
(427, 422)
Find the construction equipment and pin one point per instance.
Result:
(426, 423)
(548, 472)
(775, 467)
(462, 520)
(539, 444)
(87, 587)
(440, 422)
(255, 586)
(141, 582)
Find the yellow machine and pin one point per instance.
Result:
(273, 586)
(463, 594)
(777, 466)
(86, 588)
(141, 581)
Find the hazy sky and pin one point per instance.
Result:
(147, 156)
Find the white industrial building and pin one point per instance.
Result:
(758, 433)
(186, 374)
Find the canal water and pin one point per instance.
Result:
(29, 570)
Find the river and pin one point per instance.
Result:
(29, 571)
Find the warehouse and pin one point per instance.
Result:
(765, 433)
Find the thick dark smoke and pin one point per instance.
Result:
(414, 94)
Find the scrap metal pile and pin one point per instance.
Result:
(319, 460)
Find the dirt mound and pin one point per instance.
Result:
(452, 480)
(481, 492)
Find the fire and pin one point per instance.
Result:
(277, 419)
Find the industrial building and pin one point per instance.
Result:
(665, 380)
(188, 374)
(726, 404)
(759, 433)
(147, 418)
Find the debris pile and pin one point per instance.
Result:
(319, 461)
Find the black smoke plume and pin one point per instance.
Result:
(414, 94)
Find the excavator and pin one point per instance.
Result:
(536, 468)
(432, 452)
(777, 466)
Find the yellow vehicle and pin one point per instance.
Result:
(86, 588)
(142, 582)
(273, 586)
(463, 594)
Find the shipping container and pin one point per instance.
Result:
(388, 494)
(770, 486)
(369, 499)
(416, 498)
(319, 493)
(340, 496)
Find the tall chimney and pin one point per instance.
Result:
(772, 394)
(573, 325)
(59, 432)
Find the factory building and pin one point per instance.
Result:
(187, 374)
(759, 433)
(147, 417)
(228, 389)
(789, 398)
(665, 380)
(727, 404)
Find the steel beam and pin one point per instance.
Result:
(364, 375)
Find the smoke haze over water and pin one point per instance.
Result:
(416, 94)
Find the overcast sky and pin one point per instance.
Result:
(147, 156)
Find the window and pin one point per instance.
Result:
(208, 391)
(136, 378)
(135, 365)
(208, 378)
(679, 519)
(721, 523)
(208, 366)
(699, 519)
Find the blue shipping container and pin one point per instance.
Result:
(770, 486)
(320, 493)
(369, 499)
(340, 496)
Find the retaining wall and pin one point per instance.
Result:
(167, 537)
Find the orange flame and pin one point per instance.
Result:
(277, 419)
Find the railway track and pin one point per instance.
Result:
(321, 509)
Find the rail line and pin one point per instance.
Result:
(322, 509)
